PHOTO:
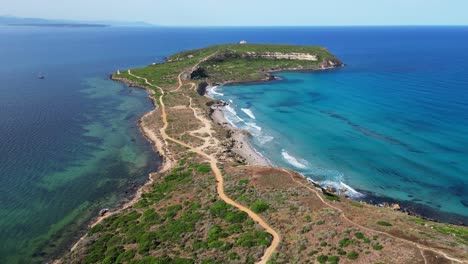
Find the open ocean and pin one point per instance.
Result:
(391, 125)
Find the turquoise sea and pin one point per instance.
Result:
(391, 125)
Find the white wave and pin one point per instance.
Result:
(342, 188)
(265, 139)
(327, 173)
(248, 112)
(253, 125)
(351, 190)
(212, 91)
(231, 116)
(293, 161)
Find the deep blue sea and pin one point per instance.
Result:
(392, 124)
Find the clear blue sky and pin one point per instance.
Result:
(249, 12)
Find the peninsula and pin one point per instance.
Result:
(214, 200)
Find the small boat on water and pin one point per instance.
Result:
(41, 76)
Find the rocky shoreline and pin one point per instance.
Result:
(241, 145)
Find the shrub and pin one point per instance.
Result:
(331, 197)
(260, 207)
(95, 229)
(234, 228)
(254, 239)
(203, 168)
(383, 223)
(233, 256)
(220, 209)
(333, 259)
(322, 258)
(352, 255)
(345, 242)
(359, 235)
(235, 217)
(341, 252)
(244, 181)
(377, 247)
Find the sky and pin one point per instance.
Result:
(248, 12)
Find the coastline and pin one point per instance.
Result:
(239, 142)
(158, 147)
(244, 148)
(242, 145)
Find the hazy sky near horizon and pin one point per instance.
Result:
(248, 12)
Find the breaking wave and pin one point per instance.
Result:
(302, 164)
(248, 112)
(212, 91)
(341, 188)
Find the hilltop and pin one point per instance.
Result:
(236, 63)
(208, 205)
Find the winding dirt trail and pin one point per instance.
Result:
(179, 77)
(213, 164)
(419, 246)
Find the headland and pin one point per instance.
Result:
(215, 200)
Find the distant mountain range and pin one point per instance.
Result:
(20, 21)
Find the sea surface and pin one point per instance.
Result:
(393, 124)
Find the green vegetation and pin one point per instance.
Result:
(359, 235)
(345, 242)
(460, 232)
(383, 223)
(203, 168)
(244, 181)
(260, 207)
(352, 255)
(254, 239)
(321, 222)
(148, 230)
(229, 63)
(355, 204)
(333, 259)
(322, 258)
(377, 247)
(331, 197)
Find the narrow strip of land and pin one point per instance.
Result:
(214, 167)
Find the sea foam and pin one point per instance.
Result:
(248, 112)
(213, 91)
(231, 116)
(341, 187)
(293, 161)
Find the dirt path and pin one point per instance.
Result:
(419, 246)
(179, 77)
(213, 164)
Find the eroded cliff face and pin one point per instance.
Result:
(267, 55)
(331, 64)
(279, 55)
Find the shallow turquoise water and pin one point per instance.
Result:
(70, 145)
(384, 131)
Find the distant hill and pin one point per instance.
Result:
(20, 21)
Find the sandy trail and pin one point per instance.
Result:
(213, 164)
(179, 77)
(419, 246)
